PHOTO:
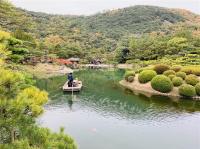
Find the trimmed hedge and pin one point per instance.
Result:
(192, 70)
(146, 76)
(130, 79)
(176, 68)
(187, 70)
(187, 90)
(192, 79)
(160, 68)
(171, 76)
(197, 88)
(128, 74)
(169, 72)
(196, 71)
(162, 84)
(181, 74)
(177, 81)
(145, 68)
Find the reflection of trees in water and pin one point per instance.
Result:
(140, 107)
(52, 85)
(102, 94)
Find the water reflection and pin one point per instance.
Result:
(103, 95)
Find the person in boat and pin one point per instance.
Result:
(70, 80)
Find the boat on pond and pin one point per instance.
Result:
(77, 86)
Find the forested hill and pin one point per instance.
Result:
(114, 24)
(96, 36)
(137, 20)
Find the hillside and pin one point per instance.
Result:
(134, 20)
(87, 36)
(114, 24)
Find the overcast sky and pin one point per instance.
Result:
(87, 7)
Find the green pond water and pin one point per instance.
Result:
(105, 116)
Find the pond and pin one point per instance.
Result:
(105, 116)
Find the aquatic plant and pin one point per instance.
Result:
(162, 84)
(146, 76)
(187, 90)
(177, 81)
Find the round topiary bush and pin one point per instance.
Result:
(176, 68)
(197, 88)
(128, 74)
(191, 79)
(187, 90)
(160, 68)
(130, 79)
(181, 74)
(177, 81)
(171, 76)
(162, 84)
(146, 76)
(169, 72)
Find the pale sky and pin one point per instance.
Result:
(87, 7)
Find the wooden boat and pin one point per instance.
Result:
(76, 88)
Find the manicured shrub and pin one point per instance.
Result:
(177, 81)
(171, 76)
(144, 68)
(187, 70)
(192, 70)
(128, 74)
(146, 76)
(191, 79)
(130, 79)
(181, 74)
(187, 90)
(176, 68)
(169, 72)
(162, 84)
(196, 71)
(160, 68)
(197, 88)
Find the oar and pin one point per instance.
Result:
(72, 91)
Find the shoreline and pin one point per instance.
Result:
(107, 66)
(146, 89)
(46, 70)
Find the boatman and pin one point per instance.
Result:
(70, 79)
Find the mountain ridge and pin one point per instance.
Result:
(122, 15)
(99, 31)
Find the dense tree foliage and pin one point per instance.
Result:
(179, 49)
(140, 34)
(20, 104)
(152, 30)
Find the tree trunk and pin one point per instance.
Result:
(12, 135)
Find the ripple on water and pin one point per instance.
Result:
(109, 115)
